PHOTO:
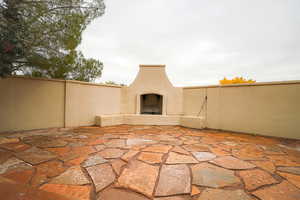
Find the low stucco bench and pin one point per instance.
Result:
(136, 119)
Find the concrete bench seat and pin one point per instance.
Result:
(136, 119)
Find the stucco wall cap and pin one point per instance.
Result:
(152, 65)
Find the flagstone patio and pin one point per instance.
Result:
(147, 162)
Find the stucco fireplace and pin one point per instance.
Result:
(151, 99)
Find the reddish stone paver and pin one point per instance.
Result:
(61, 151)
(76, 161)
(127, 156)
(139, 141)
(96, 142)
(147, 162)
(16, 147)
(44, 141)
(100, 147)
(266, 165)
(230, 162)
(13, 191)
(196, 147)
(46, 171)
(140, 177)
(35, 155)
(117, 194)
(111, 153)
(292, 178)
(82, 150)
(219, 151)
(175, 158)
(174, 179)
(256, 178)
(282, 160)
(4, 140)
(249, 152)
(151, 158)
(4, 155)
(115, 143)
(158, 148)
(174, 198)
(282, 191)
(219, 194)
(117, 165)
(195, 190)
(69, 191)
(19, 175)
(178, 149)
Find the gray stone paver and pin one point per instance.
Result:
(219, 194)
(292, 170)
(35, 155)
(102, 175)
(73, 176)
(204, 156)
(208, 175)
(94, 160)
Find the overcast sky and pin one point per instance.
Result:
(199, 41)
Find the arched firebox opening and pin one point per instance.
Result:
(151, 104)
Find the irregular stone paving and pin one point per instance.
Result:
(147, 162)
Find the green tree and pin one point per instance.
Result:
(40, 37)
(114, 83)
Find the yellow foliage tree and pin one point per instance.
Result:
(236, 80)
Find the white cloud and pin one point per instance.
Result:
(200, 41)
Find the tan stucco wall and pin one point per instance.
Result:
(194, 102)
(152, 79)
(271, 109)
(31, 104)
(85, 101)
